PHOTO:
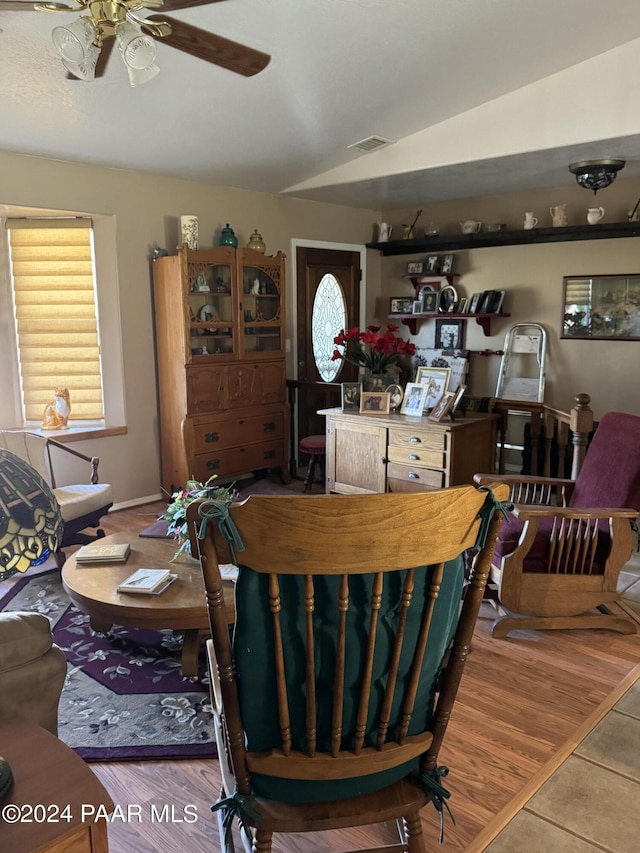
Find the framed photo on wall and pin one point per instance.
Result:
(449, 334)
(430, 302)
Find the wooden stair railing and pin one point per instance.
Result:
(546, 425)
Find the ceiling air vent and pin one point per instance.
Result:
(371, 143)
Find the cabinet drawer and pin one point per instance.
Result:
(418, 476)
(417, 456)
(239, 460)
(231, 433)
(427, 439)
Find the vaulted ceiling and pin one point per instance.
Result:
(478, 98)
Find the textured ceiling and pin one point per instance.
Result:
(341, 70)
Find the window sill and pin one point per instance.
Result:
(77, 433)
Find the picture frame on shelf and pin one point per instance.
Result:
(433, 264)
(461, 307)
(446, 267)
(396, 395)
(378, 381)
(472, 308)
(485, 302)
(497, 306)
(436, 380)
(430, 301)
(415, 267)
(449, 334)
(448, 299)
(375, 402)
(443, 406)
(458, 394)
(351, 392)
(401, 305)
(417, 306)
(413, 400)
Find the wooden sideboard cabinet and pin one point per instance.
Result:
(220, 352)
(380, 453)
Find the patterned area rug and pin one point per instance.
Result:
(124, 696)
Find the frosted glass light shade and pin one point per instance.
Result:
(86, 70)
(138, 50)
(74, 40)
(138, 76)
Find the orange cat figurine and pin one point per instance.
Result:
(56, 413)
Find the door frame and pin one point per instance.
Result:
(322, 244)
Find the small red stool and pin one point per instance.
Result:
(315, 446)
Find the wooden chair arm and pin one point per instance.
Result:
(532, 490)
(525, 512)
(94, 461)
(485, 479)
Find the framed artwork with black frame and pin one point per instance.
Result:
(433, 264)
(449, 334)
(601, 308)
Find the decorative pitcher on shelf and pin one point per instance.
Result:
(384, 232)
(594, 215)
(530, 221)
(558, 215)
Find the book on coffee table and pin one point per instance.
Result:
(147, 581)
(95, 552)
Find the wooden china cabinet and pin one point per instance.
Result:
(220, 351)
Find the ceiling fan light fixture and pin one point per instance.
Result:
(74, 40)
(138, 76)
(85, 70)
(138, 50)
(596, 174)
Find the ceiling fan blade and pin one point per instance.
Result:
(213, 48)
(177, 5)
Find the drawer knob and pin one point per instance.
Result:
(211, 436)
(212, 464)
(269, 454)
(413, 476)
(269, 426)
(415, 439)
(414, 457)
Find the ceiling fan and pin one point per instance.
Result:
(85, 44)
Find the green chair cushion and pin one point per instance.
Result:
(253, 652)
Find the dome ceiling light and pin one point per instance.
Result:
(596, 174)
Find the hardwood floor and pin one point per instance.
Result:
(519, 701)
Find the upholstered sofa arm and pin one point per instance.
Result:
(32, 670)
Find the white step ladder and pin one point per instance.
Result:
(521, 375)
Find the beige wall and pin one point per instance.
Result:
(532, 277)
(146, 210)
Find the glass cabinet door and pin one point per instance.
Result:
(211, 321)
(261, 316)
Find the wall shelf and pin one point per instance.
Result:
(453, 242)
(483, 320)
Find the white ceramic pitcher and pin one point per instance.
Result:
(470, 226)
(530, 221)
(594, 215)
(384, 232)
(558, 215)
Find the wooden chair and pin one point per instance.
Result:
(82, 505)
(557, 561)
(332, 700)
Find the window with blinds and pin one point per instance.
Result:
(52, 269)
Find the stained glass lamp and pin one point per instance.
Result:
(31, 526)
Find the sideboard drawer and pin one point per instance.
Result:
(417, 456)
(426, 477)
(422, 437)
(239, 431)
(239, 460)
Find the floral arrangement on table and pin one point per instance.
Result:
(370, 349)
(176, 512)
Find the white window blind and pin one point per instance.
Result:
(52, 273)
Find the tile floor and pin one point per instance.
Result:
(590, 803)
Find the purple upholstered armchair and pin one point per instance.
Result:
(558, 558)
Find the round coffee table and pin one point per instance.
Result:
(182, 607)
